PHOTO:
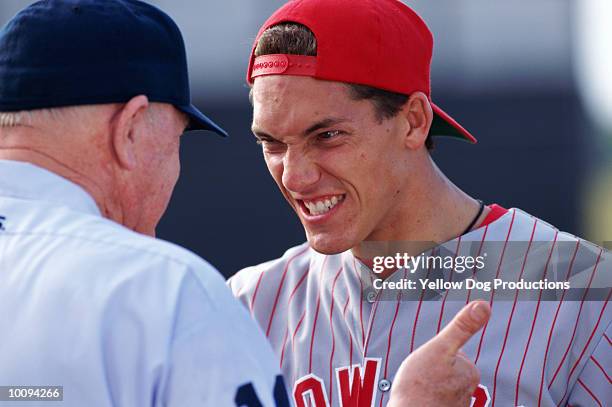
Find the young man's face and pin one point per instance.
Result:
(341, 168)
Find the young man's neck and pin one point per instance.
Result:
(435, 211)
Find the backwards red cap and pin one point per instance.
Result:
(378, 43)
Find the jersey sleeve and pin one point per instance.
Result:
(217, 355)
(244, 283)
(594, 384)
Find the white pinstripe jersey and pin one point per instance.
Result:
(333, 343)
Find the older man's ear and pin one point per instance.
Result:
(125, 124)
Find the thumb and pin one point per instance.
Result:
(465, 324)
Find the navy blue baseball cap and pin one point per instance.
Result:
(81, 52)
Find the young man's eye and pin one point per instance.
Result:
(264, 141)
(326, 135)
(271, 146)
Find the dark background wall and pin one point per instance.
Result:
(515, 73)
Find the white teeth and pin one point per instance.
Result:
(321, 207)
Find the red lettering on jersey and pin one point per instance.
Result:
(311, 387)
(481, 397)
(356, 388)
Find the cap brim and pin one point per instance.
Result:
(199, 121)
(444, 125)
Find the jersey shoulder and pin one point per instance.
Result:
(98, 255)
(540, 230)
(260, 279)
(561, 255)
(153, 262)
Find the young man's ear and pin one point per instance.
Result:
(419, 114)
(130, 117)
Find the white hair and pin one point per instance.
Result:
(30, 118)
(14, 119)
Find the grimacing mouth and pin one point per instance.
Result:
(322, 204)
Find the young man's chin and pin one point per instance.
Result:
(329, 244)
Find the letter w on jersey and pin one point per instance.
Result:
(356, 387)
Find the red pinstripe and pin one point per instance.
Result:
(552, 328)
(447, 291)
(331, 325)
(348, 298)
(256, 290)
(569, 345)
(584, 350)
(418, 311)
(397, 306)
(299, 283)
(303, 313)
(360, 304)
(280, 287)
(351, 351)
(608, 339)
(584, 386)
(501, 259)
(501, 355)
(535, 317)
(240, 290)
(371, 323)
(316, 317)
(295, 331)
(284, 345)
(601, 368)
(484, 236)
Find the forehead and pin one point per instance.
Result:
(280, 101)
(274, 89)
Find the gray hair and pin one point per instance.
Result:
(14, 119)
(28, 118)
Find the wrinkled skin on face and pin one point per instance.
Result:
(158, 165)
(345, 172)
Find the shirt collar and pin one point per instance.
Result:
(28, 181)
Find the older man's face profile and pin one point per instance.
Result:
(336, 163)
(144, 141)
(158, 165)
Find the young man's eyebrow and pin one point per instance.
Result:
(328, 122)
(261, 134)
(321, 124)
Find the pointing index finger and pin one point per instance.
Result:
(464, 325)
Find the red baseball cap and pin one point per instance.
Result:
(379, 43)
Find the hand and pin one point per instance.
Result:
(438, 373)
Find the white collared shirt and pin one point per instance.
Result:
(115, 317)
